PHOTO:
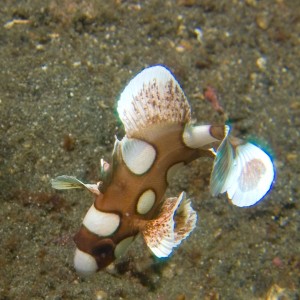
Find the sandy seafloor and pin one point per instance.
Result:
(62, 69)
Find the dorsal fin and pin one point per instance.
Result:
(152, 97)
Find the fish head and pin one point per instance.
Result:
(95, 253)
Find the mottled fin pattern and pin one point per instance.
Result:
(243, 170)
(152, 97)
(185, 221)
(65, 182)
(171, 226)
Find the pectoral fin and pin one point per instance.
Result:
(65, 182)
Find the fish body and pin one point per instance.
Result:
(160, 138)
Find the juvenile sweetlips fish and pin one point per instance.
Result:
(160, 139)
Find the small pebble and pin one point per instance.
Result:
(181, 297)
(68, 142)
(277, 262)
(263, 21)
(186, 2)
(184, 46)
(252, 3)
(291, 157)
(169, 271)
(261, 63)
(199, 35)
(275, 292)
(295, 105)
(102, 104)
(40, 47)
(101, 295)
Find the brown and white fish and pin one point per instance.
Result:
(160, 138)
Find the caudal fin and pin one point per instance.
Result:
(243, 170)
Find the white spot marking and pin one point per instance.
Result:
(122, 247)
(84, 263)
(101, 223)
(197, 136)
(145, 202)
(137, 155)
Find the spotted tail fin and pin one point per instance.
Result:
(243, 170)
(175, 222)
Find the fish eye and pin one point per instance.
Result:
(104, 253)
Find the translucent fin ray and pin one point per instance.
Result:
(222, 166)
(65, 182)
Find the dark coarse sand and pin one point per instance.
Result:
(63, 65)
